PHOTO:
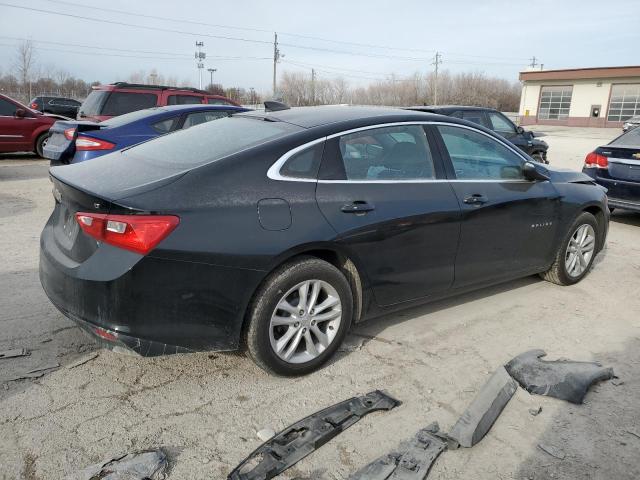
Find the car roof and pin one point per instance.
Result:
(442, 108)
(311, 117)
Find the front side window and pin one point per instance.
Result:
(202, 117)
(120, 103)
(476, 156)
(184, 100)
(387, 153)
(555, 102)
(624, 103)
(7, 109)
(500, 123)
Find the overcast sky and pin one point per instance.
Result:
(497, 37)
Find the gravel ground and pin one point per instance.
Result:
(205, 409)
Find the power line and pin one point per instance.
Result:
(261, 30)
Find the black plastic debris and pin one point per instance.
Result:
(563, 379)
(15, 352)
(480, 415)
(412, 460)
(143, 465)
(307, 435)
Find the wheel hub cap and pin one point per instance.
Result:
(305, 321)
(580, 250)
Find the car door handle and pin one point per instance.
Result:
(476, 199)
(359, 206)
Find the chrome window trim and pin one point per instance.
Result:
(274, 171)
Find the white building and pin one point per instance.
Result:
(581, 97)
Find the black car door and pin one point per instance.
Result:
(508, 222)
(383, 191)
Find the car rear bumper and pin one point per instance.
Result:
(156, 307)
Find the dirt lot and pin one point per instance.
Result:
(205, 409)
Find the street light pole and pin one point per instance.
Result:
(211, 71)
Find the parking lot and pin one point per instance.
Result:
(205, 409)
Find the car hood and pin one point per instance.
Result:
(565, 175)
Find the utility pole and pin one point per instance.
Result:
(200, 56)
(276, 59)
(313, 86)
(533, 62)
(212, 71)
(437, 61)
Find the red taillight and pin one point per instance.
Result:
(88, 143)
(595, 160)
(34, 105)
(69, 133)
(136, 233)
(106, 334)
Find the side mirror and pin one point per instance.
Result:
(531, 172)
(20, 113)
(520, 130)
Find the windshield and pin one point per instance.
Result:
(629, 139)
(210, 141)
(130, 117)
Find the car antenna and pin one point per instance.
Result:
(273, 106)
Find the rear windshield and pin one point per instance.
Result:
(93, 103)
(210, 141)
(629, 139)
(130, 117)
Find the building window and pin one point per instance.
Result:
(625, 102)
(555, 102)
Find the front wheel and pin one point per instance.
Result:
(299, 317)
(40, 144)
(576, 253)
(540, 157)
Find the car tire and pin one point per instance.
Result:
(272, 331)
(40, 143)
(573, 249)
(539, 157)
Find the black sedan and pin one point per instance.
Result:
(277, 231)
(616, 166)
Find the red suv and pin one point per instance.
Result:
(23, 129)
(106, 101)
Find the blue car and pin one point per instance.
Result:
(78, 141)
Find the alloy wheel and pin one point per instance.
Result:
(305, 321)
(580, 250)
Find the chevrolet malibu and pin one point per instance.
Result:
(275, 232)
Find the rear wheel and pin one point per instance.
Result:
(40, 144)
(576, 253)
(299, 317)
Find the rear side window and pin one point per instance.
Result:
(183, 100)
(218, 101)
(119, 103)
(476, 156)
(387, 153)
(165, 126)
(304, 164)
(203, 117)
(210, 141)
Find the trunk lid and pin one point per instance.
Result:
(624, 162)
(60, 148)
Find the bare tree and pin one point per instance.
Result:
(24, 64)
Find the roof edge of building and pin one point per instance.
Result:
(581, 73)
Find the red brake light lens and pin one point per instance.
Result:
(34, 105)
(69, 133)
(88, 143)
(136, 233)
(595, 160)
